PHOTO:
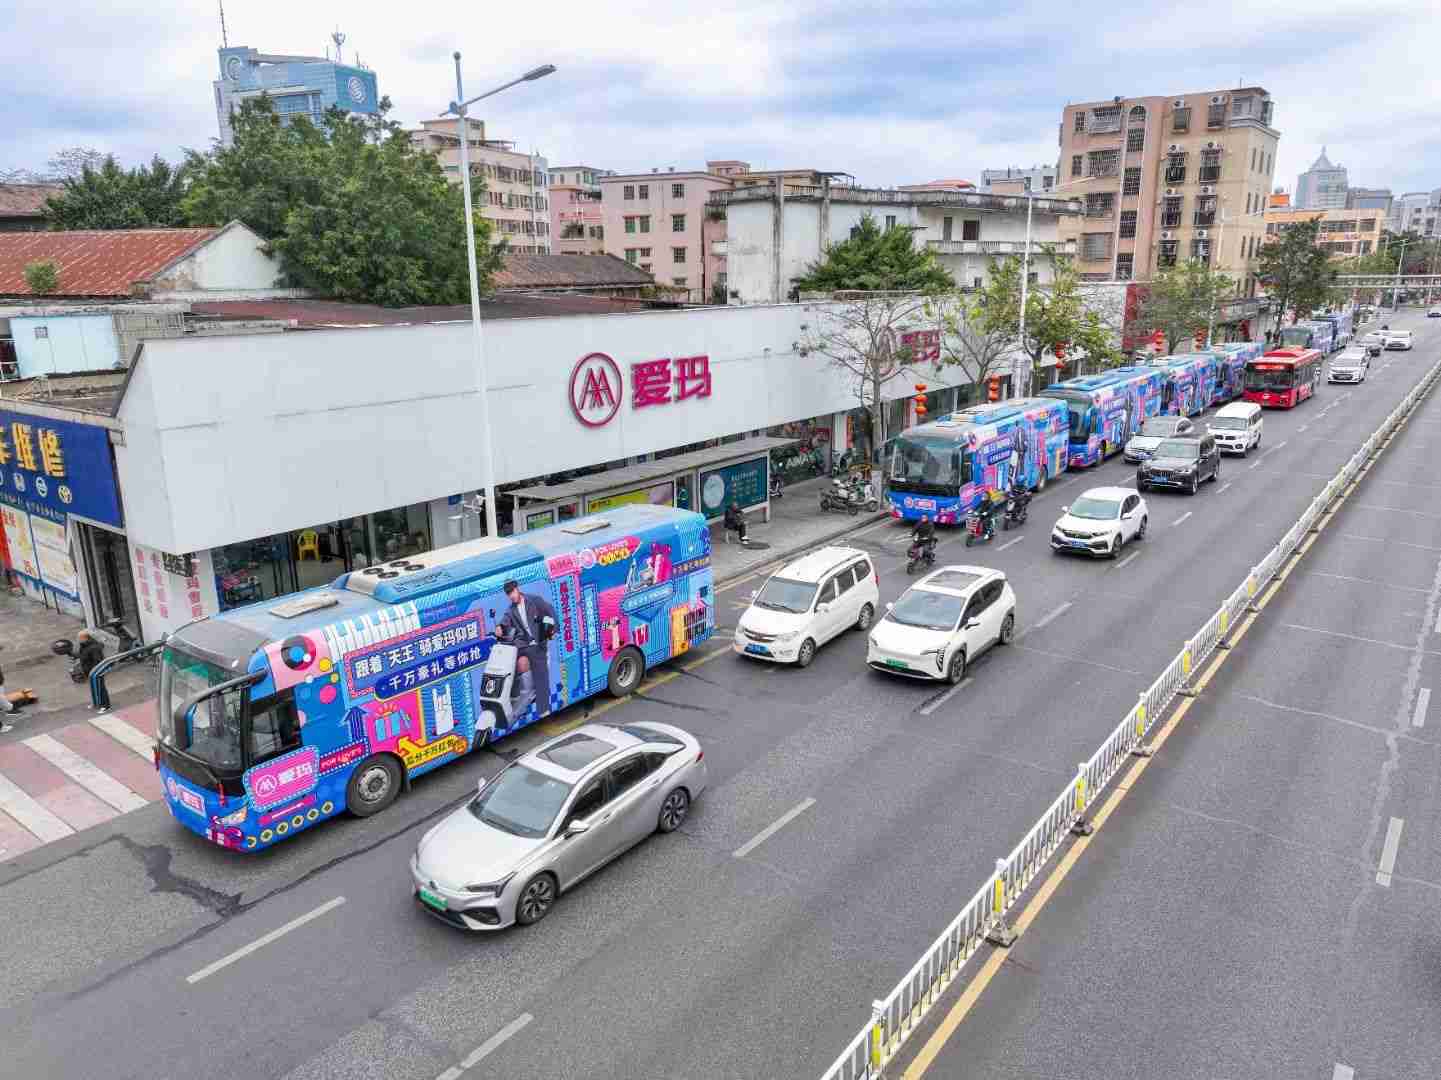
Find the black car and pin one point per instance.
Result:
(1181, 463)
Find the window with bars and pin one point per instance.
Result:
(644, 192)
(971, 229)
(1210, 166)
(1171, 212)
(677, 191)
(630, 255)
(1176, 168)
(1132, 183)
(1241, 106)
(1081, 120)
(645, 223)
(677, 223)
(1105, 119)
(1128, 224)
(628, 192)
(1216, 116)
(1135, 140)
(1181, 120)
(1095, 246)
(1104, 162)
(1125, 265)
(1166, 253)
(1076, 164)
(1138, 116)
(1205, 210)
(630, 224)
(1100, 204)
(677, 254)
(1201, 249)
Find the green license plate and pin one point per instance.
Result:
(437, 902)
(895, 664)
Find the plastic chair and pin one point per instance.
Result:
(308, 543)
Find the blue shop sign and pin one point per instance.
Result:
(56, 467)
(745, 484)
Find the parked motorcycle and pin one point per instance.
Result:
(777, 486)
(1018, 504)
(841, 498)
(920, 553)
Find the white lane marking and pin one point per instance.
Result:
(1010, 543)
(1423, 702)
(452, 1073)
(1120, 565)
(1225, 486)
(1388, 540)
(1343, 1072)
(492, 1043)
(33, 817)
(1356, 637)
(774, 827)
(932, 706)
(1396, 510)
(1303, 427)
(1182, 518)
(85, 773)
(124, 734)
(1051, 617)
(1367, 581)
(1388, 852)
(264, 940)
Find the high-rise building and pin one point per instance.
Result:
(1167, 179)
(298, 85)
(1037, 178)
(514, 199)
(577, 218)
(1415, 211)
(1322, 186)
(1361, 198)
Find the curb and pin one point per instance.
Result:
(858, 522)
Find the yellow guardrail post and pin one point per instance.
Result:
(1000, 934)
(878, 1034)
(1081, 827)
(1141, 749)
(1221, 642)
(1251, 587)
(1186, 657)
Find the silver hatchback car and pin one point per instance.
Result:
(552, 817)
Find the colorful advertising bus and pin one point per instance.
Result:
(1107, 409)
(1310, 335)
(1231, 360)
(1190, 382)
(1342, 327)
(1282, 378)
(946, 467)
(278, 715)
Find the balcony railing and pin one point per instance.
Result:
(1207, 217)
(996, 247)
(1175, 175)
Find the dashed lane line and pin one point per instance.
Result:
(774, 827)
(264, 940)
(1389, 851)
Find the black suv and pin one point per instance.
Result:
(1181, 463)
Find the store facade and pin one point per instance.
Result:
(279, 462)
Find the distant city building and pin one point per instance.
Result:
(1415, 211)
(1360, 198)
(1013, 181)
(514, 199)
(577, 219)
(1343, 232)
(1322, 186)
(298, 85)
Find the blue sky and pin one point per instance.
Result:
(893, 93)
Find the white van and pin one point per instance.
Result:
(806, 603)
(1236, 427)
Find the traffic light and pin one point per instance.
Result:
(993, 389)
(1158, 340)
(920, 400)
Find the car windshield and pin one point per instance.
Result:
(1178, 448)
(930, 610)
(210, 732)
(1228, 423)
(1163, 426)
(782, 594)
(521, 801)
(1096, 508)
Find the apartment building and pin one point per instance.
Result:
(514, 199)
(1167, 179)
(577, 218)
(1344, 232)
(1011, 181)
(1360, 198)
(1415, 211)
(1323, 186)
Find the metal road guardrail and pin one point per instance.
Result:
(983, 919)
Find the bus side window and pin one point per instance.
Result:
(274, 731)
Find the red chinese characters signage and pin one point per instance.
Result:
(924, 346)
(597, 387)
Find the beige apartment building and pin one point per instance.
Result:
(1167, 179)
(1343, 234)
(577, 219)
(514, 199)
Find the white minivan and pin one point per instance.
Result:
(806, 603)
(1236, 427)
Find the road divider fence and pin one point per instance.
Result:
(983, 920)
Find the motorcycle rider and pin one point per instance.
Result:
(986, 511)
(925, 535)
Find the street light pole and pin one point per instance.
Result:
(459, 107)
(1396, 289)
(1023, 375)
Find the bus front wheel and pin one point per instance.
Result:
(373, 785)
(626, 672)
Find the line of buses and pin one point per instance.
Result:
(945, 468)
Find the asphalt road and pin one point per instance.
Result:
(681, 959)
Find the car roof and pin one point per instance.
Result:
(936, 580)
(818, 564)
(1239, 408)
(1107, 492)
(570, 756)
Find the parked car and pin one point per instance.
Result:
(1141, 445)
(1350, 366)
(806, 603)
(1433, 313)
(943, 622)
(1398, 339)
(1181, 463)
(552, 817)
(1101, 522)
(1237, 427)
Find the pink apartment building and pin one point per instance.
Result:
(577, 219)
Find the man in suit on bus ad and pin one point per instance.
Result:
(529, 624)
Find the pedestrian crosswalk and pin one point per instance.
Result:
(55, 783)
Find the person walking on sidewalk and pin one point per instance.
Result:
(90, 653)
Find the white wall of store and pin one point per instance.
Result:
(227, 439)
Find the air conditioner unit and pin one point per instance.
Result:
(1174, 148)
(1178, 104)
(1201, 234)
(1216, 99)
(1210, 146)
(1207, 189)
(1170, 191)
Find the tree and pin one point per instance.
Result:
(74, 160)
(979, 345)
(1180, 302)
(43, 277)
(1294, 270)
(861, 335)
(110, 197)
(349, 207)
(873, 259)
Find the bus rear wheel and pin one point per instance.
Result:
(626, 672)
(373, 785)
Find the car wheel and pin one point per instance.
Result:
(1008, 629)
(536, 900)
(1195, 485)
(1115, 548)
(863, 621)
(373, 785)
(807, 653)
(1141, 529)
(673, 811)
(626, 672)
(1216, 472)
(956, 670)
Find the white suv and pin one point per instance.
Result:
(806, 603)
(943, 622)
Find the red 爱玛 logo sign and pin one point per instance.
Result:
(595, 389)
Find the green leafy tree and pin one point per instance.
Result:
(109, 197)
(349, 207)
(43, 277)
(971, 340)
(1296, 272)
(1180, 302)
(873, 259)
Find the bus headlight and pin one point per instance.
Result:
(236, 818)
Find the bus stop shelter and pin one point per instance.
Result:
(706, 481)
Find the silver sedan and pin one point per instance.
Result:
(551, 818)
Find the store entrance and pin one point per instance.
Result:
(109, 577)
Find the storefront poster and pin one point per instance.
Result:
(539, 520)
(52, 555)
(55, 467)
(744, 484)
(168, 601)
(22, 548)
(656, 495)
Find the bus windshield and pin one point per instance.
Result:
(212, 731)
(1296, 335)
(929, 465)
(1270, 378)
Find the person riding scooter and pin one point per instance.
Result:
(925, 535)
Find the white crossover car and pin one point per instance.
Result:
(943, 622)
(1101, 522)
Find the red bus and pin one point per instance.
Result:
(1282, 378)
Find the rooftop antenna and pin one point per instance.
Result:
(224, 38)
(339, 40)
